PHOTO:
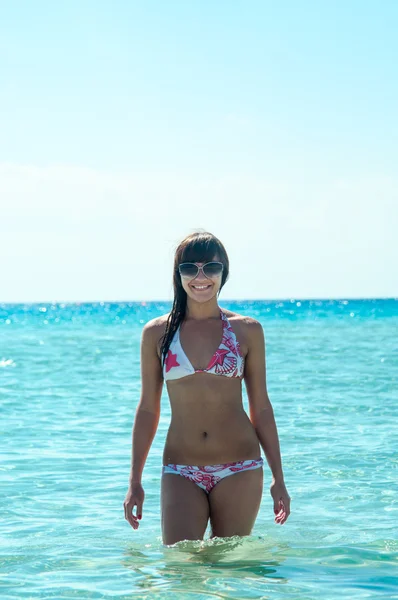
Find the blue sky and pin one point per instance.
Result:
(125, 126)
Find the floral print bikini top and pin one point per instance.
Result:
(227, 359)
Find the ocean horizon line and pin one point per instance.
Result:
(142, 302)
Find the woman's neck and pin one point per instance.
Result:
(202, 311)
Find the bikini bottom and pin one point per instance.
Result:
(206, 477)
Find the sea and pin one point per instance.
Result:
(69, 388)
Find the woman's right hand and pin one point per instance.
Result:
(134, 497)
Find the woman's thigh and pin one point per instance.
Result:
(185, 509)
(235, 502)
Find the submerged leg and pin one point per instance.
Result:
(185, 509)
(235, 502)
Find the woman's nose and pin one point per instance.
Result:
(200, 276)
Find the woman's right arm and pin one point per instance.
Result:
(146, 419)
(148, 410)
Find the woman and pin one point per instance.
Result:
(212, 465)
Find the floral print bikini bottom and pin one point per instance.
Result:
(206, 477)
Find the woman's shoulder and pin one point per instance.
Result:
(243, 325)
(243, 321)
(156, 329)
(157, 326)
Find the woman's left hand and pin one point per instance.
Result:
(281, 501)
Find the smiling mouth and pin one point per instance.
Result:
(200, 288)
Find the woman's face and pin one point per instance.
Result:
(202, 288)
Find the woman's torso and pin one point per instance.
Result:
(208, 422)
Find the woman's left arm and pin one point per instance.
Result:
(262, 415)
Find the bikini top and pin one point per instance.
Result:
(227, 359)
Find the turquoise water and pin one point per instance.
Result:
(69, 386)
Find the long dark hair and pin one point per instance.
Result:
(200, 246)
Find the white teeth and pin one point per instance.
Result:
(200, 287)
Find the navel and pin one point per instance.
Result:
(205, 434)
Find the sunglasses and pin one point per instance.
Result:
(189, 270)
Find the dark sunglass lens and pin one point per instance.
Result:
(188, 270)
(213, 269)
